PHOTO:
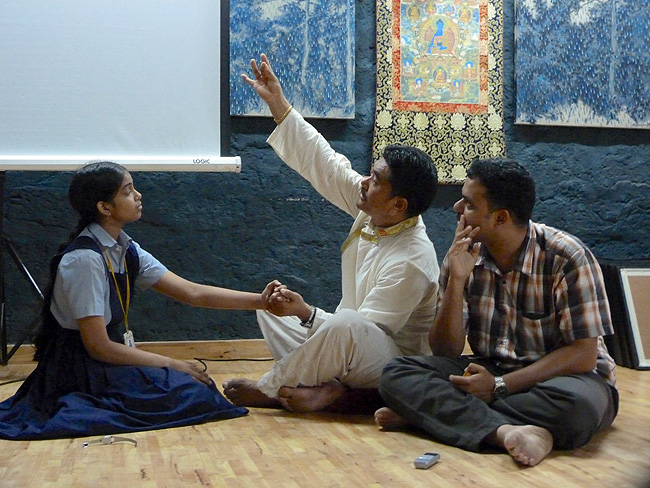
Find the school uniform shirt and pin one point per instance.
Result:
(82, 286)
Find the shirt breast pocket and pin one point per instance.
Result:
(536, 334)
(534, 315)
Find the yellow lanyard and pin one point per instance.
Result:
(125, 311)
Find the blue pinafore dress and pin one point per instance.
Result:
(69, 394)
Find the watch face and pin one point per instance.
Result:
(500, 389)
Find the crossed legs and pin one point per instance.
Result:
(564, 412)
(244, 392)
(346, 351)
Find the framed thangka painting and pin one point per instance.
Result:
(439, 80)
(583, 63)
(310, 46)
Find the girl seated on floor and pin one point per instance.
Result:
(90, 378)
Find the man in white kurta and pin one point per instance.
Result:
(389, 277)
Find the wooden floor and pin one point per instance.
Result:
(273, 448)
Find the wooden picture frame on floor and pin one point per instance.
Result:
(636, 291)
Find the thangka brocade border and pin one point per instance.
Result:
(453, 134)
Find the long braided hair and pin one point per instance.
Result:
(93, 183)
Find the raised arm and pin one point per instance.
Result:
(302, 147)
(447, 335)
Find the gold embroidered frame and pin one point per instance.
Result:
(456, 114)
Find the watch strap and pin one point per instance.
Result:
(309, 323)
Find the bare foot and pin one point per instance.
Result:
(527, 444)
(310, 398)
(386, 419)
(244, 393)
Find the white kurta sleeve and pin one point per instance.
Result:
(305, 150)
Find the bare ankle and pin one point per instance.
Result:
(244, 392)
(311, 398)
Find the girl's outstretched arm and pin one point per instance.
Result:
(206, 296)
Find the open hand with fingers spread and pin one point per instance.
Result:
(268, 87)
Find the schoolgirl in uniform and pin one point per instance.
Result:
(90, 378)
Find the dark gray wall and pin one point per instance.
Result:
(242, 230)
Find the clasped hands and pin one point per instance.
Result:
(284, 302)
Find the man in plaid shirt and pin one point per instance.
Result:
(531, 301)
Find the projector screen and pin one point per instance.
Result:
(133, 81)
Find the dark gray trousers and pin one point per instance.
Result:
(572, 408)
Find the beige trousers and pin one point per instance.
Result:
(347, 346)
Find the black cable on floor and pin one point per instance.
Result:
(205, 366)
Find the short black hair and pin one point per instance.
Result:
(413, 176)
(508, 185)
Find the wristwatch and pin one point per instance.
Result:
(500, 388)
(309, 323)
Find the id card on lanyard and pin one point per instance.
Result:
(128, 335)
(128, 339)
